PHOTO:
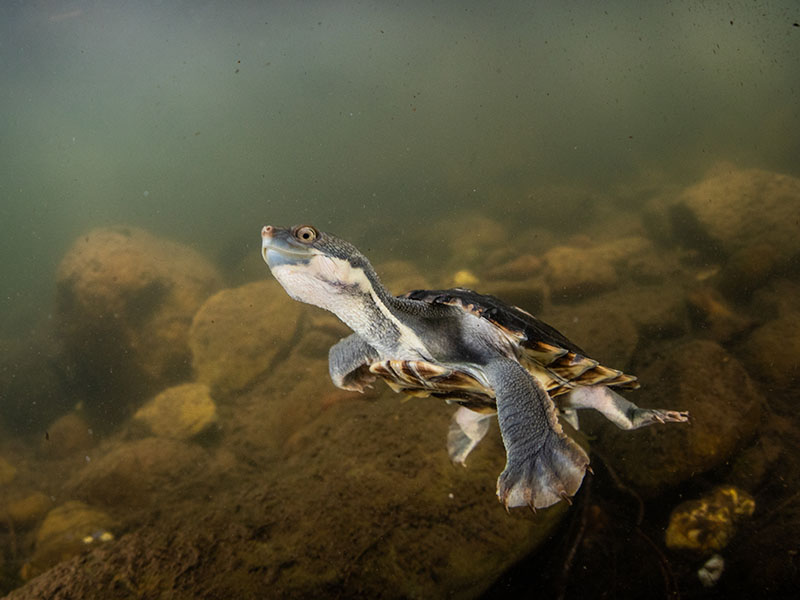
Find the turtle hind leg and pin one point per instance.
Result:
(623, 413)
(467, 428)
(543, 465)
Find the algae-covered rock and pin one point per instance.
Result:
(400, 276)
(420, 520)
(131, 474)
(240, 333)
(125, 301)
(366, 504)
(724, 407)
(180, 412)
(574, 273)
(66, 531)
(67, 435)
(735, 209)
(27, 509)
(774, 352)
(706, 525)
(609, 336)
(517, 268)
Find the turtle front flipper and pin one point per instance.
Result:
(623, 413)
(543, 465)
(348, 363)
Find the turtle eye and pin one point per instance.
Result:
(306, 234)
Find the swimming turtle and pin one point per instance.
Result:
(471, 349)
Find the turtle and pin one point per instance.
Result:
(471, 349)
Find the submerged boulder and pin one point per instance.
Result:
(180, 412)
(132, 474)
(365, 503)
(125, 301)
(239, 334)
(774, 353)
(724, 407)
(68, 530)
(732, 210)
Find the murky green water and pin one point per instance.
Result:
(626, 171)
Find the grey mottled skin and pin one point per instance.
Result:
(543, 465)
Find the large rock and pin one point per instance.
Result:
(132, 474)
(124, 306)
(603, 332)
(240, 334)
(737, 209)
(583, 269)
(180, 412)
(66, 531)
(724, 407)
(365, 504)
(773, 352)
(574, 273)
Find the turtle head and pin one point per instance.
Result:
(316, 267)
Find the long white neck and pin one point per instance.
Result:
(356, 297)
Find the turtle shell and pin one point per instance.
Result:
(555, 361)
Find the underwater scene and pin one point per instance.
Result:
(566, 236)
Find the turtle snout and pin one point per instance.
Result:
(266, 231)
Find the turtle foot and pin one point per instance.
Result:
(642, 417)
(467, 428)
(553, 473)
(620, 411)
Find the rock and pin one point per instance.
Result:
(471, 237)
(736, 209)
(465, 278)
(401, 276)
(296, 392)
(519, 268)
(125, 301)
(28, 509)
(368, 506)
(724, 407)
(618, 326)
(354, 454)
(773, 352)
(130, 474)
(7, 472)
(707, 525)
(607, 335)
(67, 530)
(180, 412)
(528, 295)
(619, 251)
(320, 331)
(748, 269)
(240, 334)
(713, 317)
(752, 467)
(574, 273)
(67, 435)
(779, 298)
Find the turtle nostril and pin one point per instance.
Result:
(266, 231)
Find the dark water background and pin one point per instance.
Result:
(202, 121)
